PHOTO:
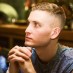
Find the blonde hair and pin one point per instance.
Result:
(53, 9)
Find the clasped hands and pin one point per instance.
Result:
(21, 55)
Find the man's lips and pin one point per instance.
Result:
(27, 38)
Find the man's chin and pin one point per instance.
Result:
(27, 44)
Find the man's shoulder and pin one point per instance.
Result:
(66, 55)
(65, 61)
(68, 51)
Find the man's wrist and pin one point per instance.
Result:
(29, 70)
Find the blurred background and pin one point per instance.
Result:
(12, 10)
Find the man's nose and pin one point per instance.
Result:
(28, 29)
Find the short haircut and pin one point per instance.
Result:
(53, 9)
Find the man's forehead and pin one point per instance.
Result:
(39, 14)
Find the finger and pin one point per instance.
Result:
(12, 51)
(11, 56)
(18, 54)
(23, 55)
(25, 50)
(17, 59)
(29, 48)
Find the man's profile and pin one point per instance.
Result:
(43, 54)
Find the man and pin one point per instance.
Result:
(43, 53)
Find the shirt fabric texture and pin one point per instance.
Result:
(61, 63)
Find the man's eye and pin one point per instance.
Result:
(36, 24)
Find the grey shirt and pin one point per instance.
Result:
(62, 62)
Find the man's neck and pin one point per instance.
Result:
(48, 52)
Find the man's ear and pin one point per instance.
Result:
(55, 32)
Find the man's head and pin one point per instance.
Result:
(45, 23)
(52, 9)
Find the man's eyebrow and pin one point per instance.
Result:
(36, 22)
(33, 21)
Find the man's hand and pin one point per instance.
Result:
(19, 54)
(22, 55)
